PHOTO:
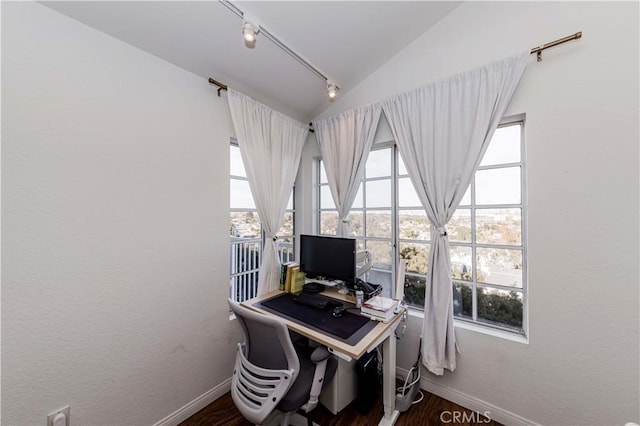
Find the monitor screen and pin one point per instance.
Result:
(332, 258)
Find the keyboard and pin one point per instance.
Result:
(316, 301)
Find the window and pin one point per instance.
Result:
(486, 234)
(246, 235)
(371, 218)
(414, 238)
(487, 237)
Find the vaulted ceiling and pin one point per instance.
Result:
(345, 40)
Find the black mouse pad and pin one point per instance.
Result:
(342, 327)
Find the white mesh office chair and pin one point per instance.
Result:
(271, 373)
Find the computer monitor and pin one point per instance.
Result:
(333, 258)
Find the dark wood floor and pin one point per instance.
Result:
(432, 410)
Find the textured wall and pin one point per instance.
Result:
(114, 236)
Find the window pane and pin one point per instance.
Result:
(379, 223)
(498, 186)
(235, 160)
(462, 300)
(378, 163)
(466, 198)
(240, 195)
(378, 193)
(414, 290)
(500, 307)
(357, 202)
(290, 202)
(461, 263)
(323, 173)
(285, 250)
(504, 146)
(499, 266)
(356, 224)
(380, 254)
(407, 196)
(287, 226)
(416, 255)
(413, 225)
(245, 225)
(326, 200)
(459, 227)
(329, 223)
(498, 226)
(402, 169)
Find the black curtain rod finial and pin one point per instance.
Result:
(217, 83)
(224, 87)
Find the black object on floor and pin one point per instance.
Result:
(368, 382)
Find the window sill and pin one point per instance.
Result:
(479, 329)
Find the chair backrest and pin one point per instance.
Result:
(266, 364)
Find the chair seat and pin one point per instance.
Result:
(299, 392)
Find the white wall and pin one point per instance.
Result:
(115, 239)
(581, 103)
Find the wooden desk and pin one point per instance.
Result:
(381, 333)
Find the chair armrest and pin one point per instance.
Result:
(320, 354)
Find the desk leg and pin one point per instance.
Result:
(389, 381)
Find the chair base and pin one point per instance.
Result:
(295, 419)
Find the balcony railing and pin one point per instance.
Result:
(246, 257)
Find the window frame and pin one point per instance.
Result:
(523, 247)
(395, 241)
(364, 238)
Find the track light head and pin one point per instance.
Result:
(332, 90)
(249, 32)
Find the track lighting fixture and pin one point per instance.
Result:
(249, 32)
(332, 90)
(251, 26)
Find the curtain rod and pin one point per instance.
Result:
(224, 87)
(217, 83)
(538, 50)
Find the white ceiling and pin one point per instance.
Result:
(345, 40)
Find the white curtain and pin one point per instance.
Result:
(270, 145)
(345, 141)
(442, 131)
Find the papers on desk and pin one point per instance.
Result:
(379, 308)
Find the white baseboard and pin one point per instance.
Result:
(470, 402)
(182, 414)
(467, 401)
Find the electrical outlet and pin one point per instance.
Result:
(63, 420)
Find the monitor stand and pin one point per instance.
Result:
(323, 282)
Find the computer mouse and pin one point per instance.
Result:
(338, 312)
